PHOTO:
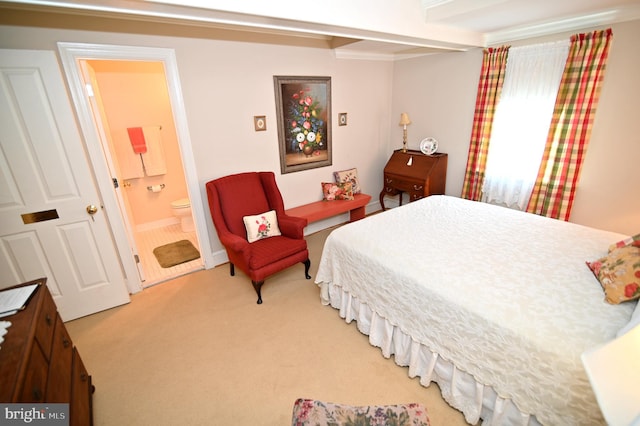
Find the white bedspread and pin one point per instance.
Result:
(503, 295)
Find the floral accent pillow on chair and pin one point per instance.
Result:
(261, 226)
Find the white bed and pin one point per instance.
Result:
(494, 305)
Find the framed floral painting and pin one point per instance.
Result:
(303, 107)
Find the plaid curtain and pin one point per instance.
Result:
(494, 63)
(568, 137)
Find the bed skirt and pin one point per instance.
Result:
(475, 400)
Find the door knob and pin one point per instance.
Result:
(91, 209)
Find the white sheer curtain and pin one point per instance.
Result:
(521, 122)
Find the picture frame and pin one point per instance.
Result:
(342, 119)
(259, 123)
(303, 110)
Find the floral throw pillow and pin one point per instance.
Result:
(619, 274)
(261, 226)
(337, 191)
(350, 175)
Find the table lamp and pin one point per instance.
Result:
(404, 120)
(615, 378)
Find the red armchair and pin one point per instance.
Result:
(246, 194)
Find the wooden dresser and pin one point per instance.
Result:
(416, 174)
(40, 364)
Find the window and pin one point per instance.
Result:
(521, 124)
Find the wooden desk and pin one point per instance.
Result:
(38, 362)
(416, 174)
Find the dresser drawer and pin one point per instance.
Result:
(46, 321)
(81, 392)
(35, 378)
(59, 382)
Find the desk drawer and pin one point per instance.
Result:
(404, 184)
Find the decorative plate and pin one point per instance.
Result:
(428, 146)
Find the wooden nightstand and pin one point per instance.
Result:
(416, 174)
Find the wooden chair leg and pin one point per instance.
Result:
(307, 265)
(258, 286)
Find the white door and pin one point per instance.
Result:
(46, 190)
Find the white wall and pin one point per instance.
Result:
(439, 91)
(226, 83)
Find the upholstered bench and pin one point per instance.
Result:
(319, 210)
(310, 412)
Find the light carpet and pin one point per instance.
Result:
(198, 350)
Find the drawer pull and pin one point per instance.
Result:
(418, 187)
(83, 376)
(389, 180)
(48, 319)
(66, 342)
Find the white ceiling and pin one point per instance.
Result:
(386, 29)
(503, 21)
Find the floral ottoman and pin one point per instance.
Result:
(310, 412)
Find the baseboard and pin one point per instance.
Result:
(219, 257)
(148, 226)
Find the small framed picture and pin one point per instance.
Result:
(342, 119)
(260, 122)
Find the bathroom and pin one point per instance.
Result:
(132, 108)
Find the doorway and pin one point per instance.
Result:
(130, 96)
(83, 66)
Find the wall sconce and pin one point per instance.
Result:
(404, 121)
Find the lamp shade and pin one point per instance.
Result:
(615, 377)
(404, 119)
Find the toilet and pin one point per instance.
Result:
(182, 209)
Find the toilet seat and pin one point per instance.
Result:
(182, 203)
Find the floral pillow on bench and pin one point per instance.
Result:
(332, 191)
(350, 175)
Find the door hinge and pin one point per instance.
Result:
(137, 258)
(115, 183)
